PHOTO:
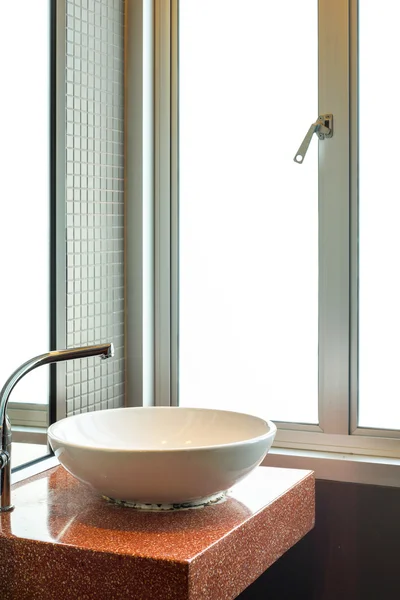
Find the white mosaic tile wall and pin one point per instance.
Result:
(95, 200)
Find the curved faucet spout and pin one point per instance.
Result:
(102, 350)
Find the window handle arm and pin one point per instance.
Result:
(323, 127)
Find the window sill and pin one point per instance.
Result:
(332, 466)
(335, 466)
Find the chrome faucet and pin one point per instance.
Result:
(103, 350)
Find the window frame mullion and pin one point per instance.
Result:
(354, 216)
(162, 203)
(139, 199)
(174, 230)
(334, 219)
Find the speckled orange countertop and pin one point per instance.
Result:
(62, 541)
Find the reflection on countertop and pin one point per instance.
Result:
(25, 452)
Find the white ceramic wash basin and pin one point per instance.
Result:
(161, 455)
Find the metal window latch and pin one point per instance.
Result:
(323, 127)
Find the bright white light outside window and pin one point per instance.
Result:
(379, 210)
(24, 207)
(248, 330)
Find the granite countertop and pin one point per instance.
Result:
(63, 541)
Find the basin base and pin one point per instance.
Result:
(199, 503)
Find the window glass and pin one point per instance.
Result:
(379, 216)
(248, 258)
(24, 207)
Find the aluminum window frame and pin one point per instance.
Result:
(337, 431)
(166, 218)
(30, 419)
(355, 200)
(139, 202)
(58, 287)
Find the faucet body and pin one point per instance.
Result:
(103, 350)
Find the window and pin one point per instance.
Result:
(76, 216)
(248, 235)
(275, 287)
(25, 214)
(379, 324)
